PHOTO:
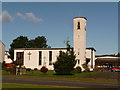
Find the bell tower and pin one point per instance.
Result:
(79, 26)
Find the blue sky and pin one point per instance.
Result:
(55, 22)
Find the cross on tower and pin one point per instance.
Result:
(29, 55)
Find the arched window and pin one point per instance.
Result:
(78, 27)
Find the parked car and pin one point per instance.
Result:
(115, 69)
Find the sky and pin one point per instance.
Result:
(55, 22)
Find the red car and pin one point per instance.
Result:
(115, 69)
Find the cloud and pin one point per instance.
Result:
(29, 16)
(20, 15)
(5, 17)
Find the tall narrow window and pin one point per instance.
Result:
(85, 26)
(40, 57)
(78, 27)
(91, 58)
(78, 61)
(60, 52)
(50, 57)
(20, 58)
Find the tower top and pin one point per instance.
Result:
(80, 17)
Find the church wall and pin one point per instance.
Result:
(7, 60)
(32, 61)
(80, 39)
(91, 55)
(2, 51)
(88, 53)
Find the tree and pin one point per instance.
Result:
(24, 42)
(118, 55)
(65, 61)
(19, 42)
(38, 42)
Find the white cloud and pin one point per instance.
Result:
(29, 16)
(5, 17)
(20, 15)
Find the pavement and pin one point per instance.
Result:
(64, 83)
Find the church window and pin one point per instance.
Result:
(78, 61)
(78, 53)
(78, 27)
(50, 57)
(20, 58)
(60, 53)
(40, 57)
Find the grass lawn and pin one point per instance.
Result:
(84, 76)
(51, 73)
(9, 86)
(13, 85)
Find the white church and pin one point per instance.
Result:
(38, 57)
(2, 51)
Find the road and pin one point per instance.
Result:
(77, 84)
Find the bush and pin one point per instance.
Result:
(10, 69)
(85, 66)
(87, 70)
(78, 69)
(28, 69)
(65, 63)
(35, 69)
(44, 69)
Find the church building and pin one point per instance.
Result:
(38, 57)
(2, 51)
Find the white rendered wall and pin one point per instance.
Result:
(2, 51)
(33, 62)
(34, 58)
(7, 60)
(91, 57)
(80, 39)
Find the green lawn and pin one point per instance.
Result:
(6, 86)
(51, 73)
(84, 76)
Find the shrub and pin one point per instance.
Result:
(85, 66)
(35, 69)
(10, 69)
(65, 62)
(28, 69)
(78, 69)
(44, 69)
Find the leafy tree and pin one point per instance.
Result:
(31, 44)
(38, 42)
(24, 42)
(19, 42)
(65, 61)
(118, 55)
